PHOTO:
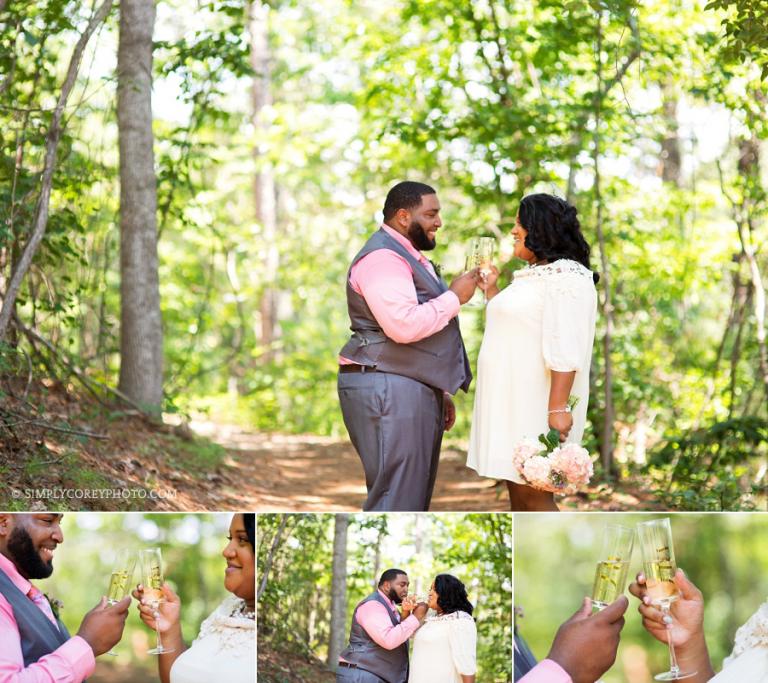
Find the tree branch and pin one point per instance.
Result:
(271, 556)
(51, 147)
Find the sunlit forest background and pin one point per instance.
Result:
(277, 128)
(191, 546)
(314, 569)
(723, 555)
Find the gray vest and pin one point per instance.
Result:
(391, 665)
(439, 361)
(38, 635)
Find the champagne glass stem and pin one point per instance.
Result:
(673, 667)
(157, 630)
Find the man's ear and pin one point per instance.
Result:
(6, 525)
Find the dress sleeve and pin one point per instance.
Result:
(568, 322)
(462, 638)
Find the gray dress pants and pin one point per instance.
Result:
(396, 425)
(346, 675)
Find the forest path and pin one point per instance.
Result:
(304, 473)
(314, 473)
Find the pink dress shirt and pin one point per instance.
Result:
(70, 663)
(547, 671)
(385, 280)
(374, 619)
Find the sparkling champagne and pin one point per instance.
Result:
(659, 581)
(152, 573)
(610, 581)
(118, 584)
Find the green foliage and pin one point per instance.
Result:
(744, 27)
(712, 468)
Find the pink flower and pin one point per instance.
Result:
(524, 450)
(536, 470)
(573, 463)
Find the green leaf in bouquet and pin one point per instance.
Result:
(551, 440)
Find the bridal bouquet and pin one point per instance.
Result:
(548, 466)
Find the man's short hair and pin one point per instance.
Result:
(390, 575)
(405, 195)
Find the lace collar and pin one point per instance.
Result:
(234, 631)
(752, 634)
(559, 267)
(453, 616)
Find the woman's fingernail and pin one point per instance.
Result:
(667, 619)
(646, 600)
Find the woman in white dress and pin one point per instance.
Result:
(537, 346)
(747, 663)
(444, 646)
(225, 648)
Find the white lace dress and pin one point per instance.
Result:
(444, 649)
(225, 650)
(748, 663)
(543, 321)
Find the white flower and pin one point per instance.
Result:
(537, 470)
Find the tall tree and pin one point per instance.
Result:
(141, 333)
(265, 200)
(338, 590)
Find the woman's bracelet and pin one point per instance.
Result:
(567, 409)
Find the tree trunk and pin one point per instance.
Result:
(609, 415)
(377, 557)
(338, 591)
(51, 147)
(670, 145)
(749, 169)
(141, 333)
(264, 193)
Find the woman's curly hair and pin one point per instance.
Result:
(451, 595)
(553, 229)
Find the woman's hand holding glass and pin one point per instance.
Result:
(687, 612)
(487, 282)
(407, 606)
(168, 611)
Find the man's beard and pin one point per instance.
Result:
(25, 557)
(394, 597)
(418, 237)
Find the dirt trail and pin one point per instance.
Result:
(322, 474)
(315, 473)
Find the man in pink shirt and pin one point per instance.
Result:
(378, 638)
(405, 356)
(35, 646)
(584, 647)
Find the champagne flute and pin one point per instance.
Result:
(660, 568)
(152, 576)
(480, 255)
(612, 568)
(120, 579)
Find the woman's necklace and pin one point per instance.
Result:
(241, 611)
